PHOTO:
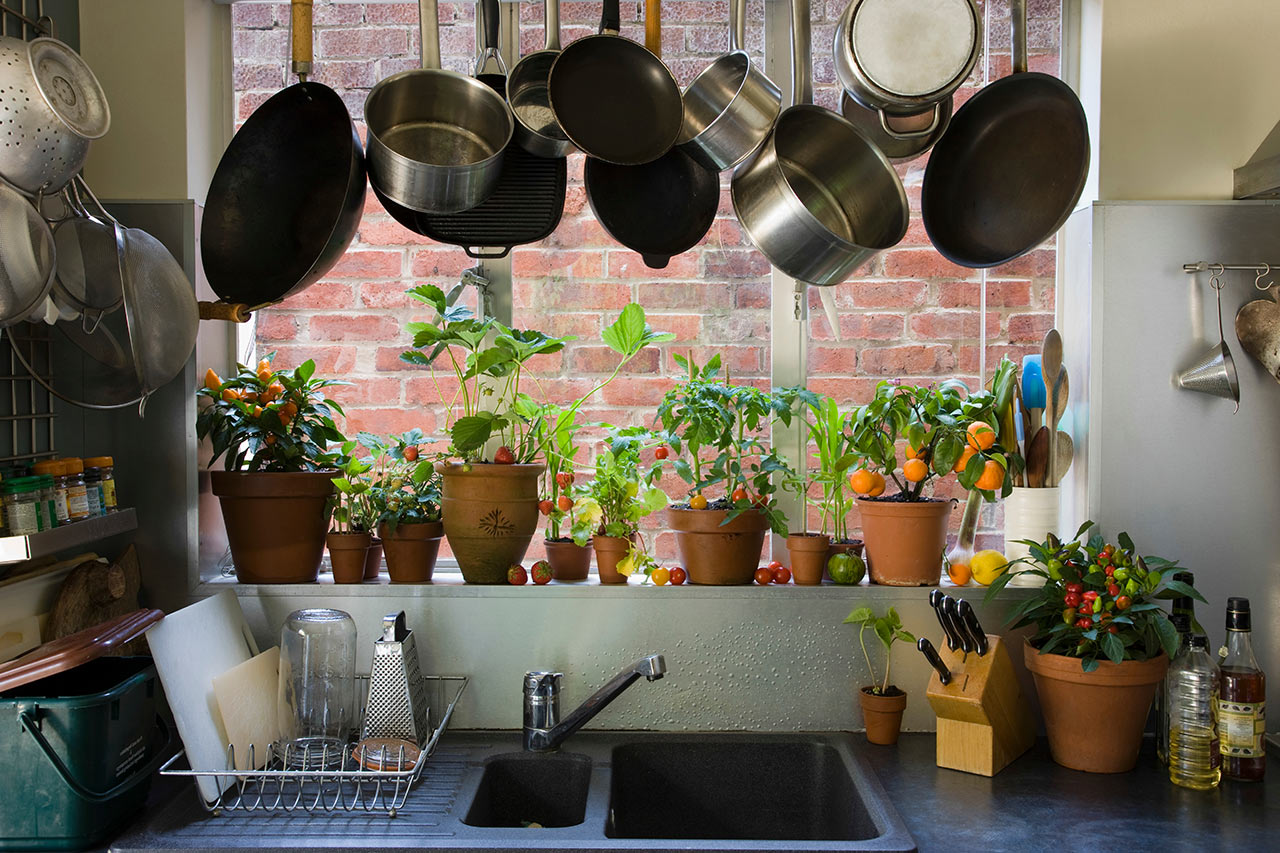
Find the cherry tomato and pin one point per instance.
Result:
(1109, 570)
(1086, 609)
(1113, 629)
(698, 501)
(661, 453)
(776, 564)
(739, 494)
(564, 479)
(544, 507)
(410, 452)
(564, 503)
(1084, 622)
(1124, 602)
(678, 575)
(1075, 587)
(764, 576)
(1090, 595)
(1071, 599)
(782, 575)
(660, 576)
(1113, 590)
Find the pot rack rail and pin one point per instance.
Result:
(1216, 269)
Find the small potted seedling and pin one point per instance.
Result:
(882, 702)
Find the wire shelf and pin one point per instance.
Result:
(343, 786)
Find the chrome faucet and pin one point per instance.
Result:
(543, 729)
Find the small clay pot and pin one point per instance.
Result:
(373, 559)
(490, 514)
(411, 550)
(569, 560)
(347, 553)
(275, 522)
(808, 557)
(716, 553)
(610, 551)
(882, 715)
(848, 546)
(905, 540)
(1094, 719)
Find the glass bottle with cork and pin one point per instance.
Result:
(1242, 698)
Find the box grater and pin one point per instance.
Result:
(397, 706)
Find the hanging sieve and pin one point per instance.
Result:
(26, 258)
(90, 260)
(160, 310)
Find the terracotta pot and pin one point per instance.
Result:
(882, 715)
(609, 552)
(569, 560)
(373, 559)
(1094, 719)
(718, 554)
(808, 557)
(411, 550)
(347, 553)
(850, 546)
(275, 522)
(490, 513)
(905, 540)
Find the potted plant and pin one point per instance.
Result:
(882, 703)
(945, 429)
(617, 497)
(490, 485)
(405, 499)
(570, 560)
(272, 429)
(825, 425)
(716, 432)
(349, 539)
(1100, 644)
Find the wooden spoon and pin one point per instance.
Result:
(1066, 450)
(1061, 394)
(1050, 368)
(1038, 458)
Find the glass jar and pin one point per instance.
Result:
(21, 506)
(93, 491)
(104, 467)
(77, 494)
(316, 702)
(47, 514)
(54, 469)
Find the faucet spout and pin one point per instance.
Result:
(544, 731)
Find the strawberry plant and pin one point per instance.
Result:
(832, 456)
(403, 486)
(619, 494)
(263, 419)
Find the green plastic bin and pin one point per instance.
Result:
(80, 748)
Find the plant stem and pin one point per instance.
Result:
(862, 641)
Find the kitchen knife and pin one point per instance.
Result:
(969, 621)
(953, 620)
(931, 655)
(935, 601)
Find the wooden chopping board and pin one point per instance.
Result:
(97, 592)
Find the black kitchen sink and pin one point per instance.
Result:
(758, 790)
(528, 790)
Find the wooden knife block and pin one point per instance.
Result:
(984, 721)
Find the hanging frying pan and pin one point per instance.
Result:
(1010, 169)
(287, 195)
(660, 208)
(613, 98)
(526, 205)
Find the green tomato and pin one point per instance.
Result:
(846, 568)
(1130, 586)
(1097, 605)
(1121, 574)
(1069, 615)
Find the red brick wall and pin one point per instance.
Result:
(909, 314)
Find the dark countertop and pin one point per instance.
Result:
(1033, 805)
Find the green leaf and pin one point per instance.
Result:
(1169, 638)
(1089, 664)
(306, 370)
(1112, 647)
(1125, 542)
(470, 433)
(859, 616)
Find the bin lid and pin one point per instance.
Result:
(69, 652)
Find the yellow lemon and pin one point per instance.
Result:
(987, 566)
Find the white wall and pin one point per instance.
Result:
(1188, 92)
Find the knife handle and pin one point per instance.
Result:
(972, 626)
(935, 601)
(931, 655)
(953, 619)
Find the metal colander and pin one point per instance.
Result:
(160, 309)
(90, 259)
(26, 257)
(51, 105)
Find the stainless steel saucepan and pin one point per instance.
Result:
(819, 199)
(436, 138)
(537, 130)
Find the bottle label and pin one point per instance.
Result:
(77, 502)
(109, 494)
(1241, 728)
(22, 519)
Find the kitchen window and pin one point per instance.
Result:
(908, 314)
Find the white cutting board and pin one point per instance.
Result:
(246, 697)
(191, 647)
(18, 637)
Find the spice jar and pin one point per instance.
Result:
(21, 506)
(104, 467)
(47, 514)
(93, 491)
(55, 470)
(77, 495)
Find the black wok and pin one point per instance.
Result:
(1010, 169)
(286, 198)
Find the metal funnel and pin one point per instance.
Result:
(1214, 373)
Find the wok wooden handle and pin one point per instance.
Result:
(231, 312)
(653, 26)
(301, 36)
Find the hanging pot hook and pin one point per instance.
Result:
(1215, 275)
(1264, 270)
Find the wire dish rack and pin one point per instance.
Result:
(342, 786)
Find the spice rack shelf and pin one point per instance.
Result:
(15, 549)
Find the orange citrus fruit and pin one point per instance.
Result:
(965, 456)
(211, 380)
(861, 481)
(960, 573)
(257, 411)
(915, 470)
(913, 453)
(230, 394)
(992, 476)
(981, 435)
(877, 486)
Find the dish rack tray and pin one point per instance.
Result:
(343, 788)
